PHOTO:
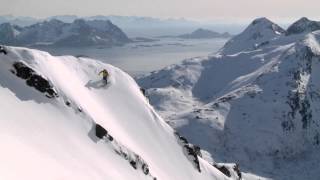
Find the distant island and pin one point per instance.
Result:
(204, 34)
(200, 34)
(58, 33)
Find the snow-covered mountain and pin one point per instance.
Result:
(58, 33)
(258, 33)
(303, 25)
(9, 33)
(60, 121)
(204, 34)
(18, 20)
(255, 102)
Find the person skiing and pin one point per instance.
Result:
(105, 75)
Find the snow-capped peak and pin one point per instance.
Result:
(260, 31)
(261, 20)
(303, 25)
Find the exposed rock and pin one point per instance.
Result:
(145, 169)
(237, 170)
(223, 169)
(132, 158)
(191, 151)
(133, 164)
(100, 131)
(68, 103)
(143, 91)
(230, 170)
(3, 50)
(110, 138)
(34, 80)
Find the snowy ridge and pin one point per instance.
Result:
(254, 105)
(303, 25)
(86, 130)
(258, 33)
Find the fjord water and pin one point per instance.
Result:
(143, 57)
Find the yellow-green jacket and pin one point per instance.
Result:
(104, 73)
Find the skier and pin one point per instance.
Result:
(105, 75)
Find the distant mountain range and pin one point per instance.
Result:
(134, 25)
(19, 20)
(204, 34)
(57, 33)
(119, 20)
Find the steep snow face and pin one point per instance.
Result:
(257, 107)
(303, 25)
(60, 121)
(258, 33)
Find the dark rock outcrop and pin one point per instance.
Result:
(100, 131)
(229, 170)
(223, 169)
(132, 158)
(191, 151)
(34, 80)
(3, 50)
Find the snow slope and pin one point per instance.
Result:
(59, 121)
(254, 105)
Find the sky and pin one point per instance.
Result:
(223, 10)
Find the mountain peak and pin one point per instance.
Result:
(260, 31)
(55, 21)
(261, 20)
(303, 25)
(262, 23)
(304, 19)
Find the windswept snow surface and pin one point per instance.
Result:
(53, 138)
(257, 105)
